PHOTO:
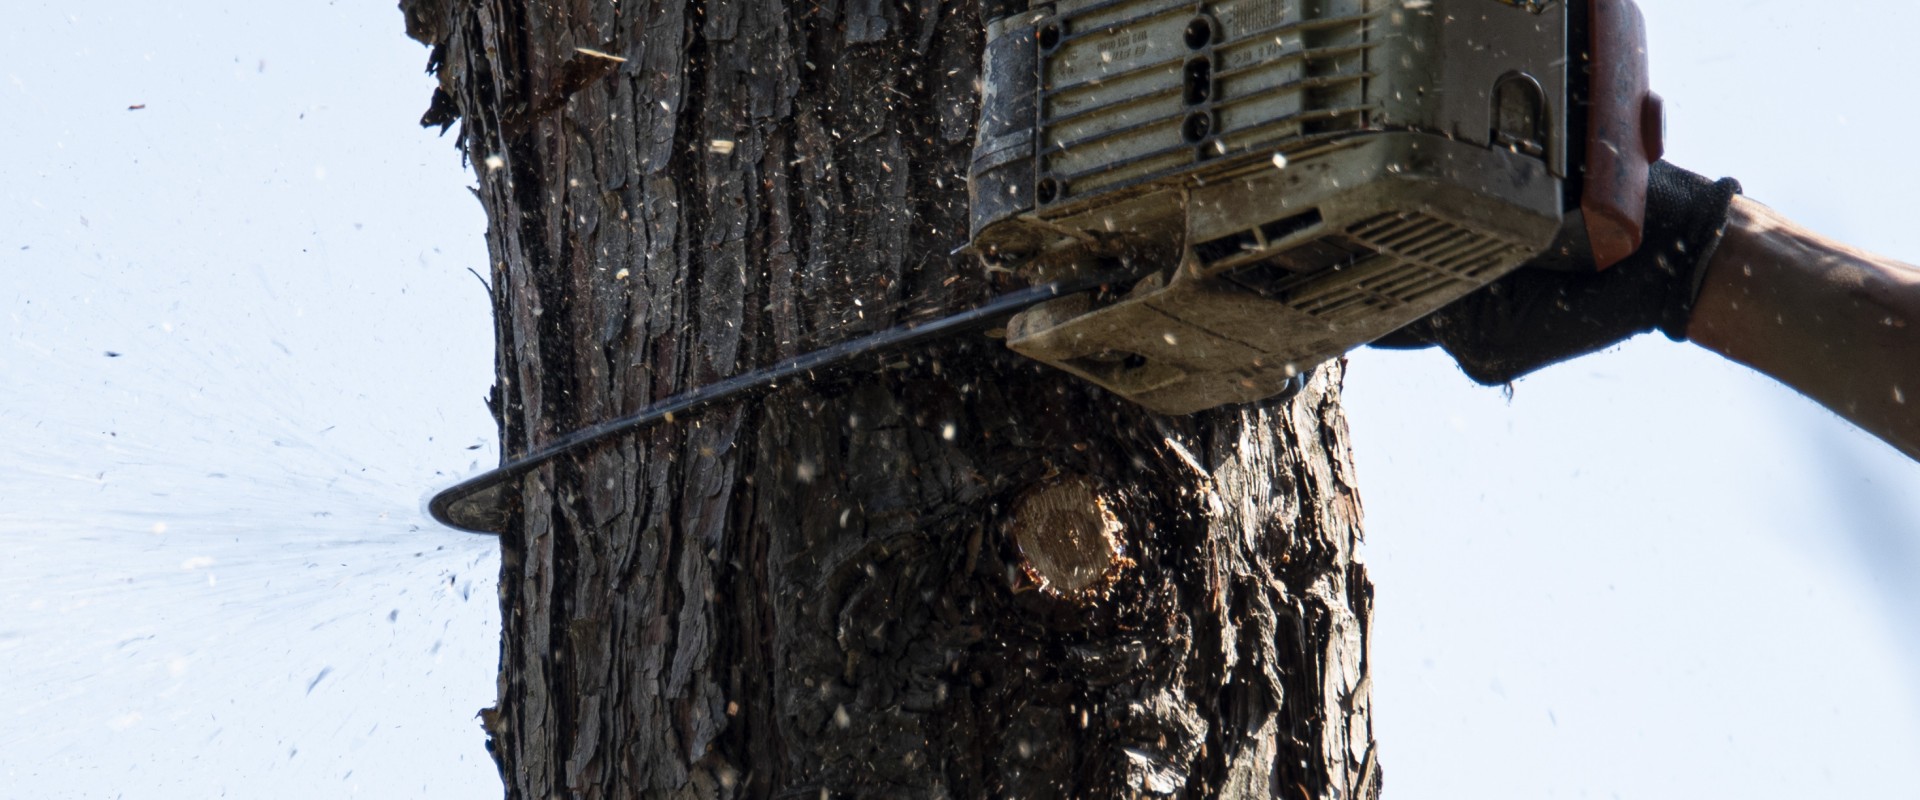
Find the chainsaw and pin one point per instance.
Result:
(1210, 198)
(1301, 176)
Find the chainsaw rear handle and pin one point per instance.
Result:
(1626, 131)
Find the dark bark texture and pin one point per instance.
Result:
(817, 594)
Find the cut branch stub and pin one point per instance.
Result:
(1069, 538)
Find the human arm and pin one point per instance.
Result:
(1838, 324)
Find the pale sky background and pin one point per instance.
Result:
(1649, 574)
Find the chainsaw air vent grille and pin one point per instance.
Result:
(1136, 91)
(1416, 257)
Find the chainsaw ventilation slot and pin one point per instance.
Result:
(1133, 92)
(1400, 260)
(1282, 228)
(1272, 276)
(1226, 248)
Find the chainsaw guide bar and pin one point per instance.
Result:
(482, 504)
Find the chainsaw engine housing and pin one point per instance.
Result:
(1295, 178)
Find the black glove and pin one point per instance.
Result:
(1536, 317)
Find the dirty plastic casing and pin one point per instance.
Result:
(1295, 177)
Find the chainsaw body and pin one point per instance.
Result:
(1294, 178)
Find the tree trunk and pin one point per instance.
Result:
(958, 575)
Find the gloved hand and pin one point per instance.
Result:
(1535, 317)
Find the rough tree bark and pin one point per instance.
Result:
(961, 575)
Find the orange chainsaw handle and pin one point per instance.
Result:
(1626, 132)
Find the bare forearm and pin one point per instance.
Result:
(1840, 325)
